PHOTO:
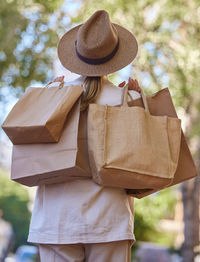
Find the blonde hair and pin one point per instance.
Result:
(92, 85)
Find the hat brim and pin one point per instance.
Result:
(128, 48)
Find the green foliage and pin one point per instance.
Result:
(14, 200)
(49, 6)
(149, 211)
(28, 41)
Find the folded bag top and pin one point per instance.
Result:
(130, 148)
(40, 113)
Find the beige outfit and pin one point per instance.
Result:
(117, 251)
(81, 211)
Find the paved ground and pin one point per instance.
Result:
(149, 252)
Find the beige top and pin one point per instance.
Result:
(81, 211)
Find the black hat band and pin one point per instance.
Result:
(97, 61)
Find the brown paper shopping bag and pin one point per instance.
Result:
(161, 104)
(130, 148)
(47, 163)
(39, 115)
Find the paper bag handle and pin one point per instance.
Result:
(57, 79)
(124, 99)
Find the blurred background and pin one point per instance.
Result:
(168, 33)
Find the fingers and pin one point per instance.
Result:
(137, 86)
(133, 85)
(59, 79)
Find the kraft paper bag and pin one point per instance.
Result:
(130, 148)
(47, 163)
(40, 113)
(161, 104)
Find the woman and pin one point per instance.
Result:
(80, 220)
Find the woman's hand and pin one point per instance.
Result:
(132, 84)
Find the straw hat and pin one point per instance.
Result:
(97, 47)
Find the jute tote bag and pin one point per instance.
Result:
(47, 163)
(40, 113)
(160, 104)
(130, 148)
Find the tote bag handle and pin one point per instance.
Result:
(124, 99)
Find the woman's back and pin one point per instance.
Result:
(80, 210)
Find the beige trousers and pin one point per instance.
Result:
(116, 251)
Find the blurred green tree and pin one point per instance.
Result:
(14, 200)
(148, 213)
(28, 41)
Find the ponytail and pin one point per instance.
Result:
(92, 86)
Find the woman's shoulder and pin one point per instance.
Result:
(112, 94)
(76, 81)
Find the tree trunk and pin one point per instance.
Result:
(190, 196)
